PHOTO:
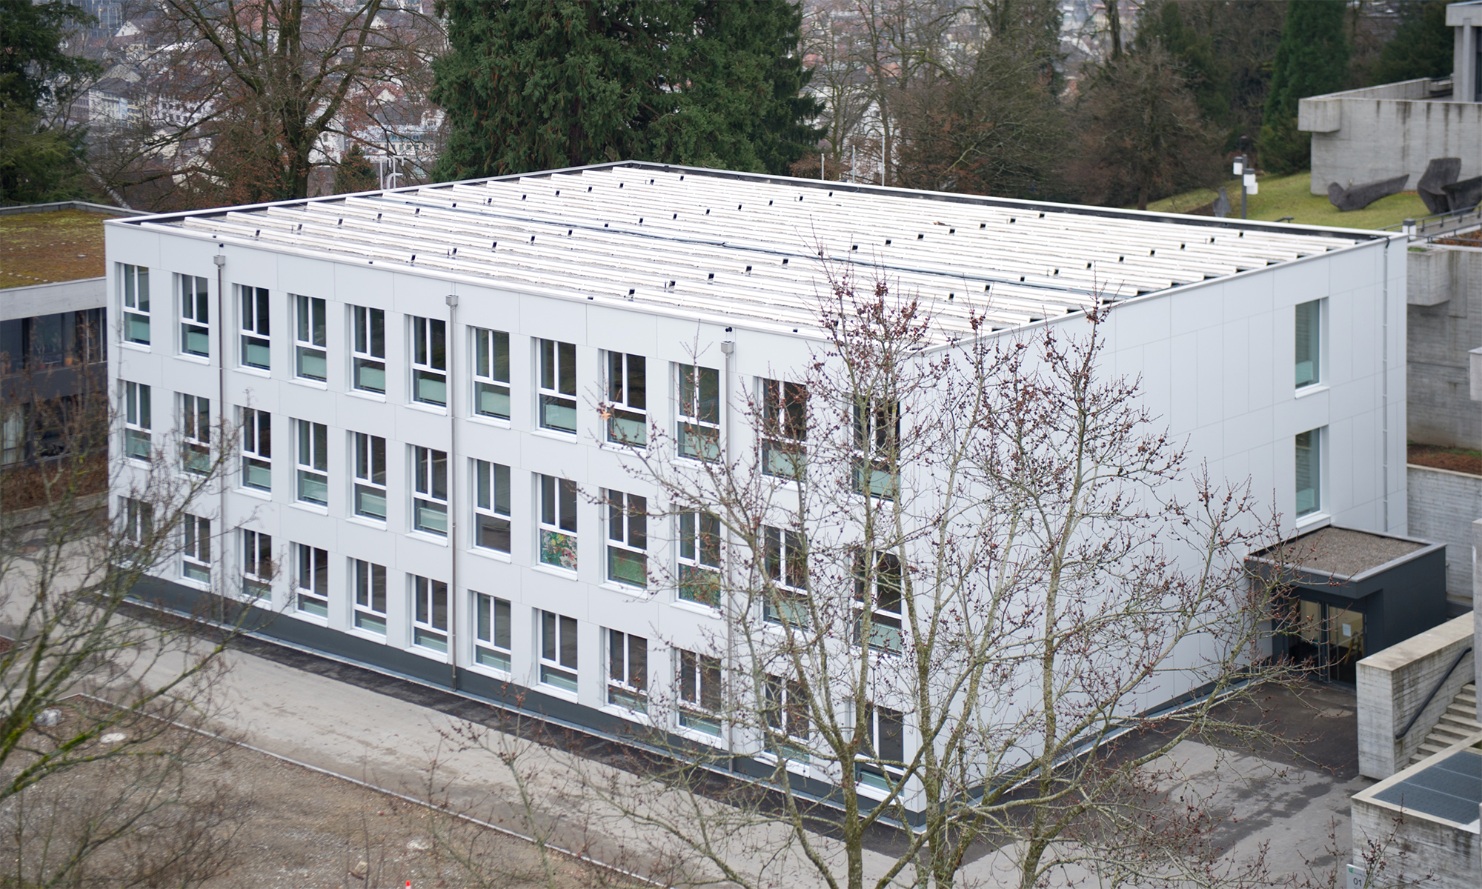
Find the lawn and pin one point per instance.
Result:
(1288, 196)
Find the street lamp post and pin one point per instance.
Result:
(1247, 182)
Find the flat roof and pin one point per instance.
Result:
(1342, 552)
(741, 246)
(51, 243)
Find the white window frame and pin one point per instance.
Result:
(627, 670)
(311, 462)
(310, 338)
(699, 555)
(626, 410)
(627, 539)
(195, 548)
(559, 651)
(1308, 318)
(430, 491)
(491, 506)
(556, 386)
(368, 584)
(138, 443)
(699, 691)
(256, 337)
(195, 434)
(877, 437)
(785, 705)
(194, 294)
(368, 349)
(429, 361)
(697, 420)
(784, 432)
(310, 580)
(491, 392)
(138, 520)
(257, 449)
(873, 594)
(429, 613)
(133, 294)
(785, 562)
(257, 565)
(369, 487)
(871, 767)
(557, 522)
(1312, 450)
(492, 632)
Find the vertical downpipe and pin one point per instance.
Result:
(728, 353)
(1384, 380)
(449, 342)
(220, 353)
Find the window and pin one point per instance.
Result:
(786, 707)
(370, 476)
(195, 434)
(786, 562)
(877, 434)
(310, 340)
(133, 286)
(430, 361)
(257, 341)
(627, 539)
(1309, 343)
(313, 462)
(491, 506)
(699, 558)
(627, 670)
(699, 692)
(257, 449)
(136, 421)
(699, 412)
(368, 349)
(884, 753)
(311, 580)
(195, 554)
(784, 428)
(491, 632)
(195, 317)
(558, 522)
(429, 613)
(627, 399)
(257, 565)
(138, 521)
(370, 595)
(430, 491)
(491, 373)
(557, 386)
(877, 588)
(558, 651)
(1309, 472)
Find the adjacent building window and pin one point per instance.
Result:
(195, 553)
(557, 386)
(368, 349)
(698, 423)
(195, 315)
(429, 613)
(881, 764)
(313, 462)
(785, 559)
(133, 291)
(311, 579)
(137, 444)
(784, 431)
(558, 651)
(785, 702)
(370, 476)
(878, 585)
(627, 399)
(627, 670)
(257, 565)
(627, 539)
(1309, 343)
(370, 595)
(195, 434)
(491, 373)
(310, 339)
(430, 491)
(558, 522)
(257, 449)
(257, 343)
(699, 692)
(138, 521)
(430, 361)
(491, 506)
(877, 435)
(1309, 472)
(491, 632)
(699, 558)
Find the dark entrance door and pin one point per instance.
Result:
(1327, 638)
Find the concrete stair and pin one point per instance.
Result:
(1458, 723)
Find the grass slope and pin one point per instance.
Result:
(1289, 196)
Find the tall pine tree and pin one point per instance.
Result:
(1312, 59)
(554, 83)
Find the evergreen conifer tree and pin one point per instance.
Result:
(1312, 59)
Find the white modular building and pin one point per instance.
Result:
(425, 385)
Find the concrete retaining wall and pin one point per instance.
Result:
(1443, 324)
(1392, 685)
(1443, 505)
(1415, 850)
